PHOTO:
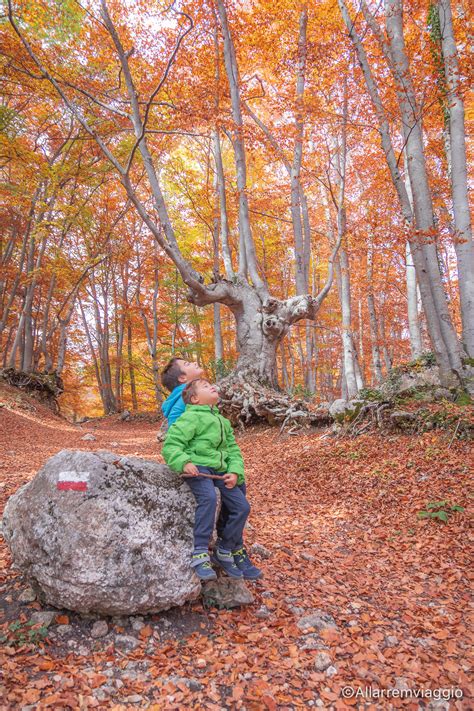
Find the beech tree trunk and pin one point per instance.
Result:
(463, 243)
(423, 249)
(412, 299)
(422, 203)
(414, 330)
(151, 333)
(131, 369)
(346, 326)
(374, 331)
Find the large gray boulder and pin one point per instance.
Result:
(96, 532)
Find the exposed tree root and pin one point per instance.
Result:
(245, 401)
(387, 417)
(46, 387)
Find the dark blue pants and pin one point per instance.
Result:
(237, 511)
(224, 515)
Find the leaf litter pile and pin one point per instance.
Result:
(360, 588)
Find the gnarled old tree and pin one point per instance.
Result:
(262, 320)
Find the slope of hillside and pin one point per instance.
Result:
(338, 519)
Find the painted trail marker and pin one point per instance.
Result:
(73, 481)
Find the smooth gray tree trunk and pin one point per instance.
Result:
(374, 330)
(458, 174)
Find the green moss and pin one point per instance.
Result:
(372, 394)
(348, 415)
(425, 360)
(463, 398)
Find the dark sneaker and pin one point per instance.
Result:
(225, 560)
(243, 562)
(202, 566)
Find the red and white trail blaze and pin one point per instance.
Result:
(73, 481)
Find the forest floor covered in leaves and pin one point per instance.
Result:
(338, 519)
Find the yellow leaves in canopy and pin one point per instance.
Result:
(54, 21)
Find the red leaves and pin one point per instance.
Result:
(146, 632)
(376, 570)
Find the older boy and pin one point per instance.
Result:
(174, 377)
(201, 445)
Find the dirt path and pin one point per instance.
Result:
(339, 520)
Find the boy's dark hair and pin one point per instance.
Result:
(190, 390)
(170, 374)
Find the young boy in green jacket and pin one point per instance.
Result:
(201, 446)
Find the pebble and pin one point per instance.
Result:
(322, 661)
(45, 617)
(331, 671)
(192, 684)
(137, 625)
(261, 551)
(63, 630)
(263, 612)
(307, 556)
(88, 437)
(126, 642)
(318, 619)
(200, 663)
(28, 595)
(99, 629)
(422, 641)
(312, 641)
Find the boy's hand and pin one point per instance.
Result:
(190, 469)
(230, 480)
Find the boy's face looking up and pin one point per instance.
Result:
(205, 393)
(189, 371)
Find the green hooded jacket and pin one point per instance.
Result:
(201, 435)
